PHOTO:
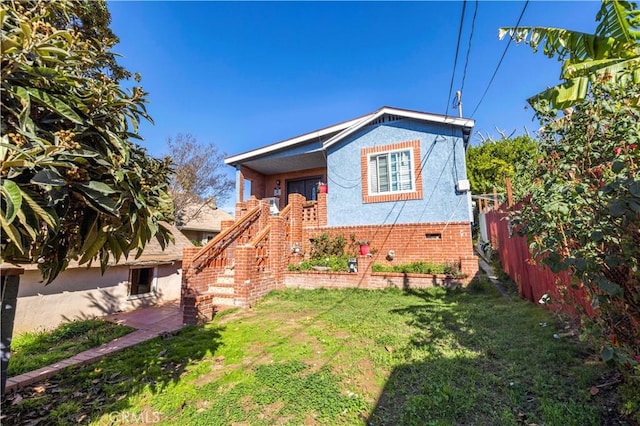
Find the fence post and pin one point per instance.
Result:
(507, 182)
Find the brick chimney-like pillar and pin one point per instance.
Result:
(322, 209)
(296, 201)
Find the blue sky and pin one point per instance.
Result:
(246, 74)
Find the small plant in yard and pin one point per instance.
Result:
(334, 263)
(325, 245)
(355, 243)
(421, 267)
(326, 251)
(33, 350)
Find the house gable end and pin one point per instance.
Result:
(437, 156)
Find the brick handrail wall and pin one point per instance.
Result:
(230, 235)
(261, 244)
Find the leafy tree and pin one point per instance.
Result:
(613, 50)
(74, 184)
(584, 213)
(198, 177)
(491, 162)
(584, 210)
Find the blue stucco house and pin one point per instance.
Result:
(392, 166)
(392, 182)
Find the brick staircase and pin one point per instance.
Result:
(222, 289)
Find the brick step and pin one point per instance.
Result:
(225, 279)
(220, 289)
(225, 301)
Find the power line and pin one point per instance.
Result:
(466, 62)
(455, 61)
(501, 59)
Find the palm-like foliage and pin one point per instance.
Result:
(612, 52)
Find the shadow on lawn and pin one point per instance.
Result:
(84, 394)
(480, 359)
(413, 391)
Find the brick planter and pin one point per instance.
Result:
(374, 280)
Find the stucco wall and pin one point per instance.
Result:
(202, 237)
(84, 293)
(443, 164)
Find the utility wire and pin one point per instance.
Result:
(455, 61)
(466, 62)
(501, 59)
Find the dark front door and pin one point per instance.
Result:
(307, 187)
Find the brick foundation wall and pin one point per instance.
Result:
(375, 281)
(366, 279)
(433, 242)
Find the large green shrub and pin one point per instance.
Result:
(584, 210)
(490, 163)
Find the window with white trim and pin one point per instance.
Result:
(141, 281)
(391, 172)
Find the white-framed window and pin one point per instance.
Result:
(391, 172)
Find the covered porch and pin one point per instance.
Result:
(276, 181)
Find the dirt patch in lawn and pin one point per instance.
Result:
(218, 368)
(291, 327)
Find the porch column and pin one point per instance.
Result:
(239, 185)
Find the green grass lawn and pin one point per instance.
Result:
(347, 357)
(33, 350)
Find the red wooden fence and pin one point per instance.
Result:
(533, 279)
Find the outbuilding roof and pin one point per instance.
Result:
(204, 218)
(153, 254)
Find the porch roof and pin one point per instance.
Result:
(266, 160)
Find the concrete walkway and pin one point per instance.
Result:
(492, 277)
(149, 323)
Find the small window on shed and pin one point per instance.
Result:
(140, 281)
